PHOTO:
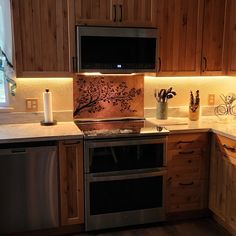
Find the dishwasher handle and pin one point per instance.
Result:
(25, 150)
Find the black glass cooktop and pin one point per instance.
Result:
(118, 128)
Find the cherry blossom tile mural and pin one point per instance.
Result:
(108, 96)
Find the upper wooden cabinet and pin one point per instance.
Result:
(136, 13)
(213, 37)
(180, 28)
(192, 37)
(231, 37)
(41, 37)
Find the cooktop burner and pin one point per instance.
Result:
(118, 128)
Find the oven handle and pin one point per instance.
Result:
(110, 177)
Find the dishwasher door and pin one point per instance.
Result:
(29, 188)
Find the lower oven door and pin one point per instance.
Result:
(124, 199)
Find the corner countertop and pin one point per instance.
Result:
(225, 127)
(68, 130)
(35, 132)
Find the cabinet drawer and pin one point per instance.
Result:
(185, 195)
(187, 141)
(188, 164)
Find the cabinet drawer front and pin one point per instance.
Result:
(187, 141)
(185, 195)
(186, 153)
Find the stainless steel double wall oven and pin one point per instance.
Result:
(124, 179)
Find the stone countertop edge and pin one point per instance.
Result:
(12, 133)
(34, 132)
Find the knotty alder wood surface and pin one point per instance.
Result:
(41, 36)
(116, 12)
(180, 28)
(201, 227)
(213, 37)
(71, 182)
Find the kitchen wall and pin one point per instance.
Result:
(62, 90)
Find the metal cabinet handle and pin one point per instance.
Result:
(204, 61)
(231, 149)
(185, 142)
(159, 64)
(187, 152)
(186, 184)
(121, 13)
(114, 13)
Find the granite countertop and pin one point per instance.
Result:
(36, 132)
(68, 130)
(225, 127)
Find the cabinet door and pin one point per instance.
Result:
(213, 37)
(231, 37)
(180, 26)
(71, 182)
(137, 12)
(41, 37)
(231, 209)
(219, 168)
(95, 12)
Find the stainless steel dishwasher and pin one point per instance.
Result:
(29, 186)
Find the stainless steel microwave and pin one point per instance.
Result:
(116, 49)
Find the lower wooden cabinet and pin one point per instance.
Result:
(187, 180)
(71, 182)
(222, 189)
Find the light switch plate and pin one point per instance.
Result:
(31, 104)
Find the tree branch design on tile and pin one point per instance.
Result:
(93, 95)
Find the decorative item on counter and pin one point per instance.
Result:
(226, 109)
(194, 106)
(162, 96)
(47, 105)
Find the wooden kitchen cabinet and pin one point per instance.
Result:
(222, 187)
(135, 13)
(187, 180)
(213, 53)
(231, 37)
(71, 182)
(180, 29)
(42, 37)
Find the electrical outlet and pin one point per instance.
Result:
(31, 104)
(211, 99)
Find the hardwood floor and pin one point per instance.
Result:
(199, 227)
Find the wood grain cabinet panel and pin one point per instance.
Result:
(94, 12)
(214, 19)
(231, 37)
(187, 178)
(41, 37)
(71, 182)
(180, 28)
(222, 189)
(136, 13)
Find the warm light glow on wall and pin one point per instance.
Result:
(205, 84)
(54, 79)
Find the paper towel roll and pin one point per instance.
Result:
(47, 104)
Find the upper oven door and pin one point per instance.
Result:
(124, 154)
